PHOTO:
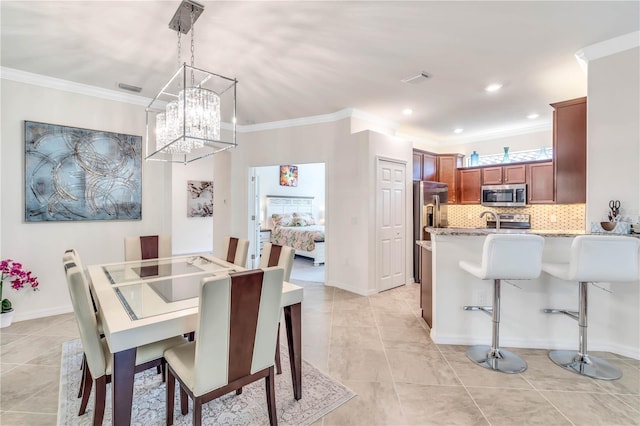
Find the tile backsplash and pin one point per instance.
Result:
(543, 216)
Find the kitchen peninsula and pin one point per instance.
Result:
(614, 308)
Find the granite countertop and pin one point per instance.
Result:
(487, 231)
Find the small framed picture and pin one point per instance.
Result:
(200, 198)
(288, 175)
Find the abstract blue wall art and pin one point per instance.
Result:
(76, 174)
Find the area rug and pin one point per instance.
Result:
(320, 395)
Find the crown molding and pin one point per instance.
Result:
(317, 119)
(608, 47)
(71, 86)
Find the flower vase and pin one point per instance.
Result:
(505, 158)
(6, 318)
(474, 158)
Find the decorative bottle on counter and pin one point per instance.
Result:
(474, 158)
(505, 158)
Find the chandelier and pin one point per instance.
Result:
(184, 117)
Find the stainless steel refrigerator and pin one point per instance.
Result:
(429, 209)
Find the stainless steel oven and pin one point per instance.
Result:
(504, 195)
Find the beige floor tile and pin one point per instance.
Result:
(355, 338)
(339, 294)
(452, 348)
(23, 351)
(543, 374)
(23, 382)
(516, 407)
(438, 405)
(376, 404)
(397, 319)
(318, 356)
(33, 419)
(33, 326)
(426, 368)
(632, 401)
(389, 304)
(472, 374)
(407, 339)
(45, 399)
(352, 304)
(590, 409)
(629, 383)
(4, 368)
(526, 352)
(6, 338)
(364, 364)
(356, 318)
(68, 328)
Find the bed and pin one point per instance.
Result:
(292, 224)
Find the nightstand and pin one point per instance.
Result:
(265, 237)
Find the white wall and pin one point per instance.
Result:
(311, 181)
(39, 246)
(193, 234)
(349, 167)
(613, 134)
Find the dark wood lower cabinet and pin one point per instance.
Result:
(426, 292)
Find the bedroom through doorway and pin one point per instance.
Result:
(289, 209)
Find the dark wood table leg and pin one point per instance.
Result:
(124, 364)
(293, 323)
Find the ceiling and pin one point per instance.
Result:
(305, 58)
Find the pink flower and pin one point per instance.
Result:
(11, 270)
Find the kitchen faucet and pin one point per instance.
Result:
(495, 215)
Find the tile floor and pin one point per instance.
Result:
(380, 348)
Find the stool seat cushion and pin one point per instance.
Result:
(599, 258)
(508, 256)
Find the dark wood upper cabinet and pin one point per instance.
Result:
(504, 175)
(514, 174)
(448, 165)
(492, 175)
(425, 165)
(540, 183)
(470, 183)
(429, 166)
(570, 151)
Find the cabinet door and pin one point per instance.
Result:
(426, 286)
(540, 183)
(417, 166)
(570, 150)
(470, 183)
(514, 174)
(492, 175)
(447, 173)
(429, 167)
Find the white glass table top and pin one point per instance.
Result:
(160, 286)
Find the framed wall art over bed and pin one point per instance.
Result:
(74, 174)
(292, 224)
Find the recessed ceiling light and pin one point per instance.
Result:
(533, 116)
(458, 130)
(407, 111)
(493, 87)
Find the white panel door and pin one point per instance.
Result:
(390, 224)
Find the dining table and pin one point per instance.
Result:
(142, 302)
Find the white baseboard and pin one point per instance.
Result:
(23, 316)
(350, 288)
(452, 339)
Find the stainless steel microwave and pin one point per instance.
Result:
(504, 195)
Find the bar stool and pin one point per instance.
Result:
(594, 258)
(504, 256)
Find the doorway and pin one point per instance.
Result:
(302, 200)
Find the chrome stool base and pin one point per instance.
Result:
(504, 361)
(585, 365)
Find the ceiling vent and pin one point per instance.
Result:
(417, 79)
(129, 87)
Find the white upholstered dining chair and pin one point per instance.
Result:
(99, 361)
(147, 247)
(237, 251)
(237, 324)
(276, 255)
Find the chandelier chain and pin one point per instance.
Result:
(193, 47)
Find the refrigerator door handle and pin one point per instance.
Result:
(436, 223)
